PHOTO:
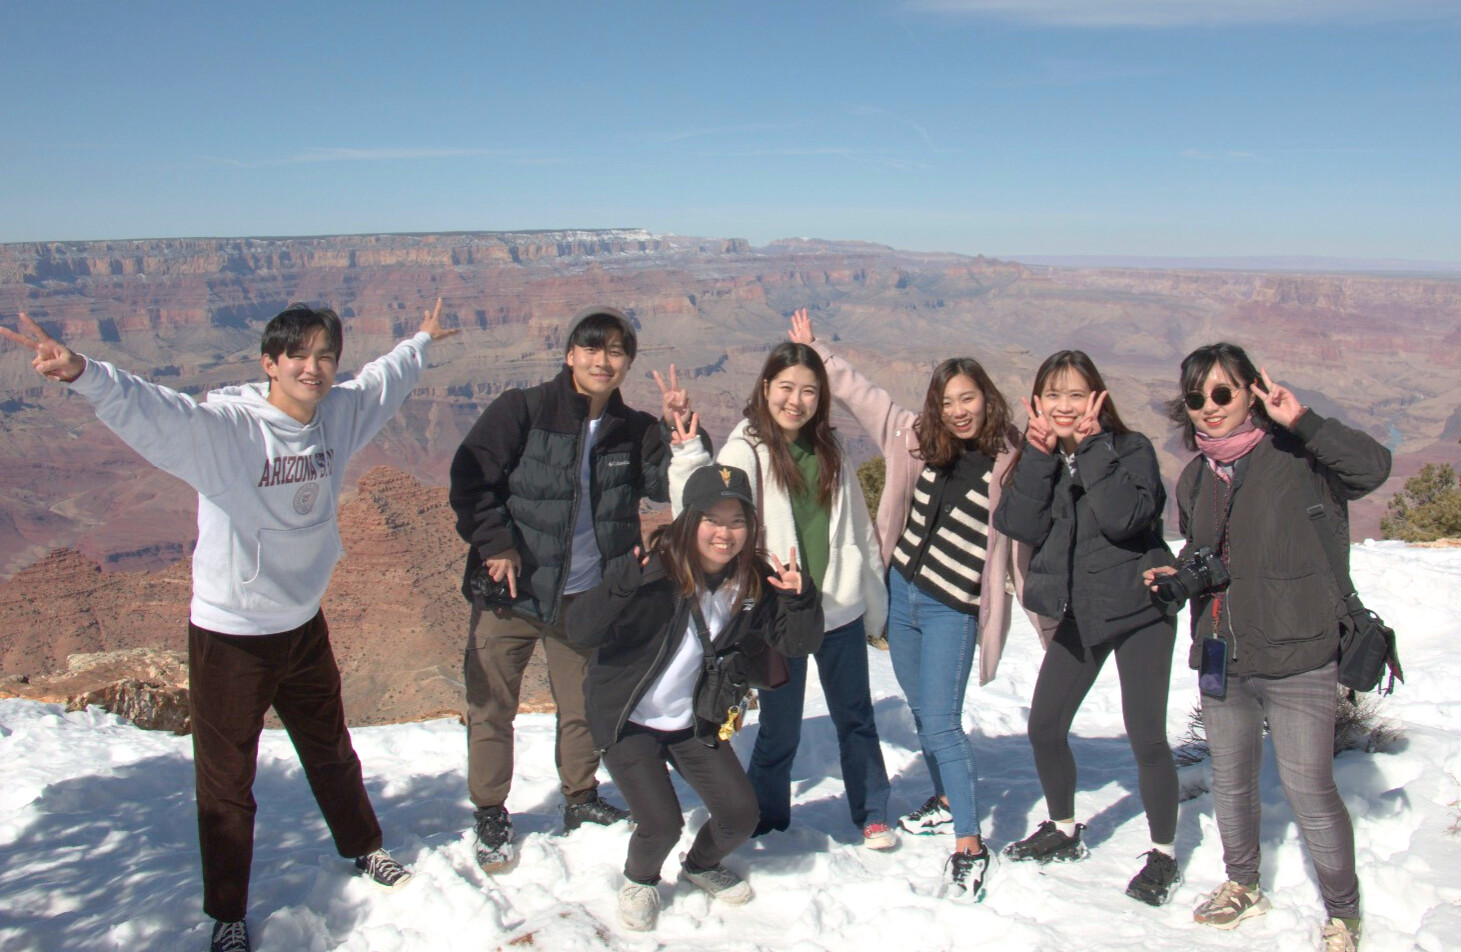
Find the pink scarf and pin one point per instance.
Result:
(1230, 448)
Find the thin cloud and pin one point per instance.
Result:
(313, 155)
(863, 109)
(1158, 14)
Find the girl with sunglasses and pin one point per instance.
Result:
(702, 596)
(1267, 641)
(946, 585)
(1087, 497)
(808, 496)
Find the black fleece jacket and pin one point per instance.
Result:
(635, 619)
(515, 484)
(1092, 535)
(1281, 613)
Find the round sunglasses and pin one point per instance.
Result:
(1222, 395)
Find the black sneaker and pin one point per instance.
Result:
(230, 937)
(1157, 880)
(379, 868)
(494, 839)
(1047, 844)
(598, 810)
(964, 876)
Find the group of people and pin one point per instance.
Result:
(772, 557)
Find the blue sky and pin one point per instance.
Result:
(1144, 127)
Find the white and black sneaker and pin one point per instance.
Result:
(720, 882)
(638, 906)
(932, 817)
(964, 876)
(379, 868)
(1158, 879)
(230, 937)
(495, 851)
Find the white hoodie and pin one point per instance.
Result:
(268, 486)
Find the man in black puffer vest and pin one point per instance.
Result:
(546, 489)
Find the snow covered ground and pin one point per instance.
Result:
(98, 840)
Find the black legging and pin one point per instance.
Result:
(1144, 663)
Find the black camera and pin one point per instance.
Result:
(490, 593)
(1202, 572)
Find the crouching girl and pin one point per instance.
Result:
(675, 631)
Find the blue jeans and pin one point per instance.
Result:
(842, 666)
(933, 653)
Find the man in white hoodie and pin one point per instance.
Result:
(268, 461)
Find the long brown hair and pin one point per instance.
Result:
(675, 544)
(818, 427)
(1077, 361)
(1196, 366)
(936, 445)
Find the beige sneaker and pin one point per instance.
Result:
(1340, 935)
(1230, 904)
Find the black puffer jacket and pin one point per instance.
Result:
(515, 484)
(1280, 615)
(1092, 535)
(636, 620)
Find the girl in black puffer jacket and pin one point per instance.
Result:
(1087, 497)
(695, 613)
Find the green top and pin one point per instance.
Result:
(813, 521)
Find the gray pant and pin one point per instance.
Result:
(1300, 714)
(498, 651)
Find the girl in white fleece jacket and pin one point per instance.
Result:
(808, 496)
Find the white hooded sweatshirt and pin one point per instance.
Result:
(268, 486)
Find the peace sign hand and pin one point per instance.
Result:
(431, 323)
(1038, 432)
(1089, 423)
(788, 577)
(683, 432)
(1282, 406)
(53, 359)
(674, 399)
(801, 328)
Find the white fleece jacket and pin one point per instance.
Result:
(268, 485)
(854, 584)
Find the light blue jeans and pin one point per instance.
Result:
(932, 646)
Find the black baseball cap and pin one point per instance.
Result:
(708, 485)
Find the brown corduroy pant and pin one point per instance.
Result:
(232, 682)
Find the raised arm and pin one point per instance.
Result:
(870, 405)
(1355, 462)
(169, 429)
(591, 619)
(381, 386)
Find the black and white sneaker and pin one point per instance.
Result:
(598, 810)
(1048, 845)
(1158, 879)
(495, 851)
(230, 937)
(379, 868)
(932, 817)
(720, 882)
(964, 876)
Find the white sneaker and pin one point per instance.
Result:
(719, 882)
(638, 906)
(877, 836)
(932, 817)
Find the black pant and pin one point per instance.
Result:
(637, 762)
(232, 681)
(1144, 663)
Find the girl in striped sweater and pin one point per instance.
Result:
(946, 584)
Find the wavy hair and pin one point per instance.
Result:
(936, 445)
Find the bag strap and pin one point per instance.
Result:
(1322, 523)
(703, 630)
